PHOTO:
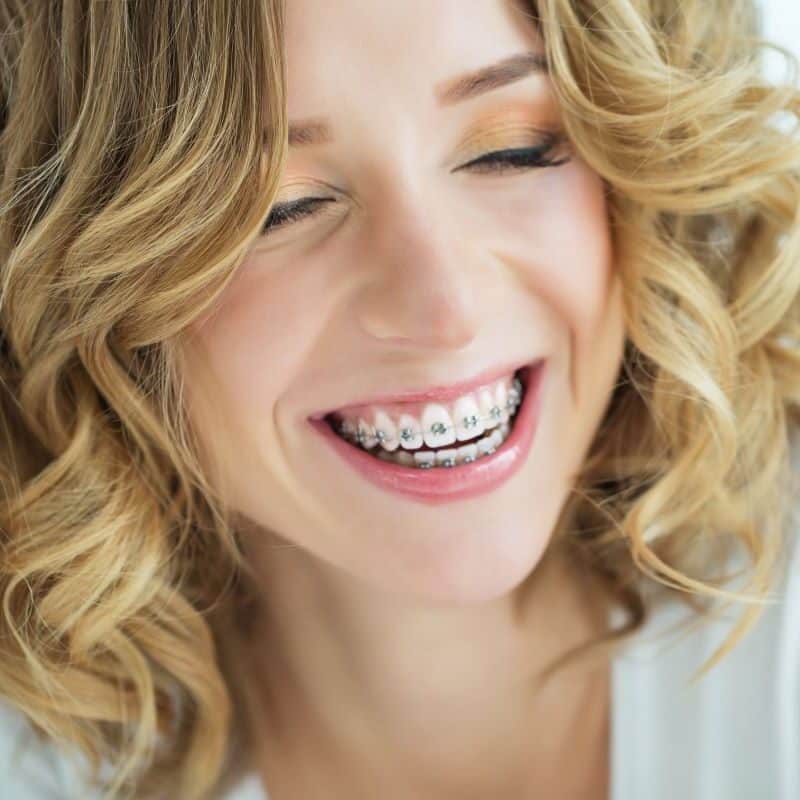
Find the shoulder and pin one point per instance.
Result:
(744, 712)
(32, 769)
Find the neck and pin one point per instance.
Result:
(452, 695)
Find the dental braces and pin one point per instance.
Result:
(362, 435)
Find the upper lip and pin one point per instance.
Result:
(434, 393)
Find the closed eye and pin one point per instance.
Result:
(495, 162)
(518, 157)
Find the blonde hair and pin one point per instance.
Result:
(140, 151)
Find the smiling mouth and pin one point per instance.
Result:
(442, 444)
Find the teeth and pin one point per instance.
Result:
(403, 458)
(347, 429)
(489, 410)
(409, 431)
(468, 420)
(501, 399)
(485, 445)
(485, 413)
(437, 426)
(467, 453)
(386, 431)
(424, 459)
(365, 435)
(446, 458)
(449, 457)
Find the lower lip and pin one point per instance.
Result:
(444, 484)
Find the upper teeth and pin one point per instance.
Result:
(436, 425)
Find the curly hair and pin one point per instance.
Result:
(130, 192)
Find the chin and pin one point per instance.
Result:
(480, 558)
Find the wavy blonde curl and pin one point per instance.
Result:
(140, 151)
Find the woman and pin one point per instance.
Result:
(374, 375)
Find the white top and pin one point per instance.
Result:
(733, 735)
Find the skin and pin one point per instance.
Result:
(391, 653)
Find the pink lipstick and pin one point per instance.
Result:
(445, 484)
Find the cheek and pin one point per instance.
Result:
(262, 329)
(580, 264)
(556, 231)
(562, 226)
(585, 292)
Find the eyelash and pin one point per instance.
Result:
(495, 162)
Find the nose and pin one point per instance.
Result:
(423, 292)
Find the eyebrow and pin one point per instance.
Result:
(317, 130)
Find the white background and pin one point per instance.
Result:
(781, 23)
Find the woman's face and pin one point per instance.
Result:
(414, 272)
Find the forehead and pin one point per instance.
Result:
(348, 49)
